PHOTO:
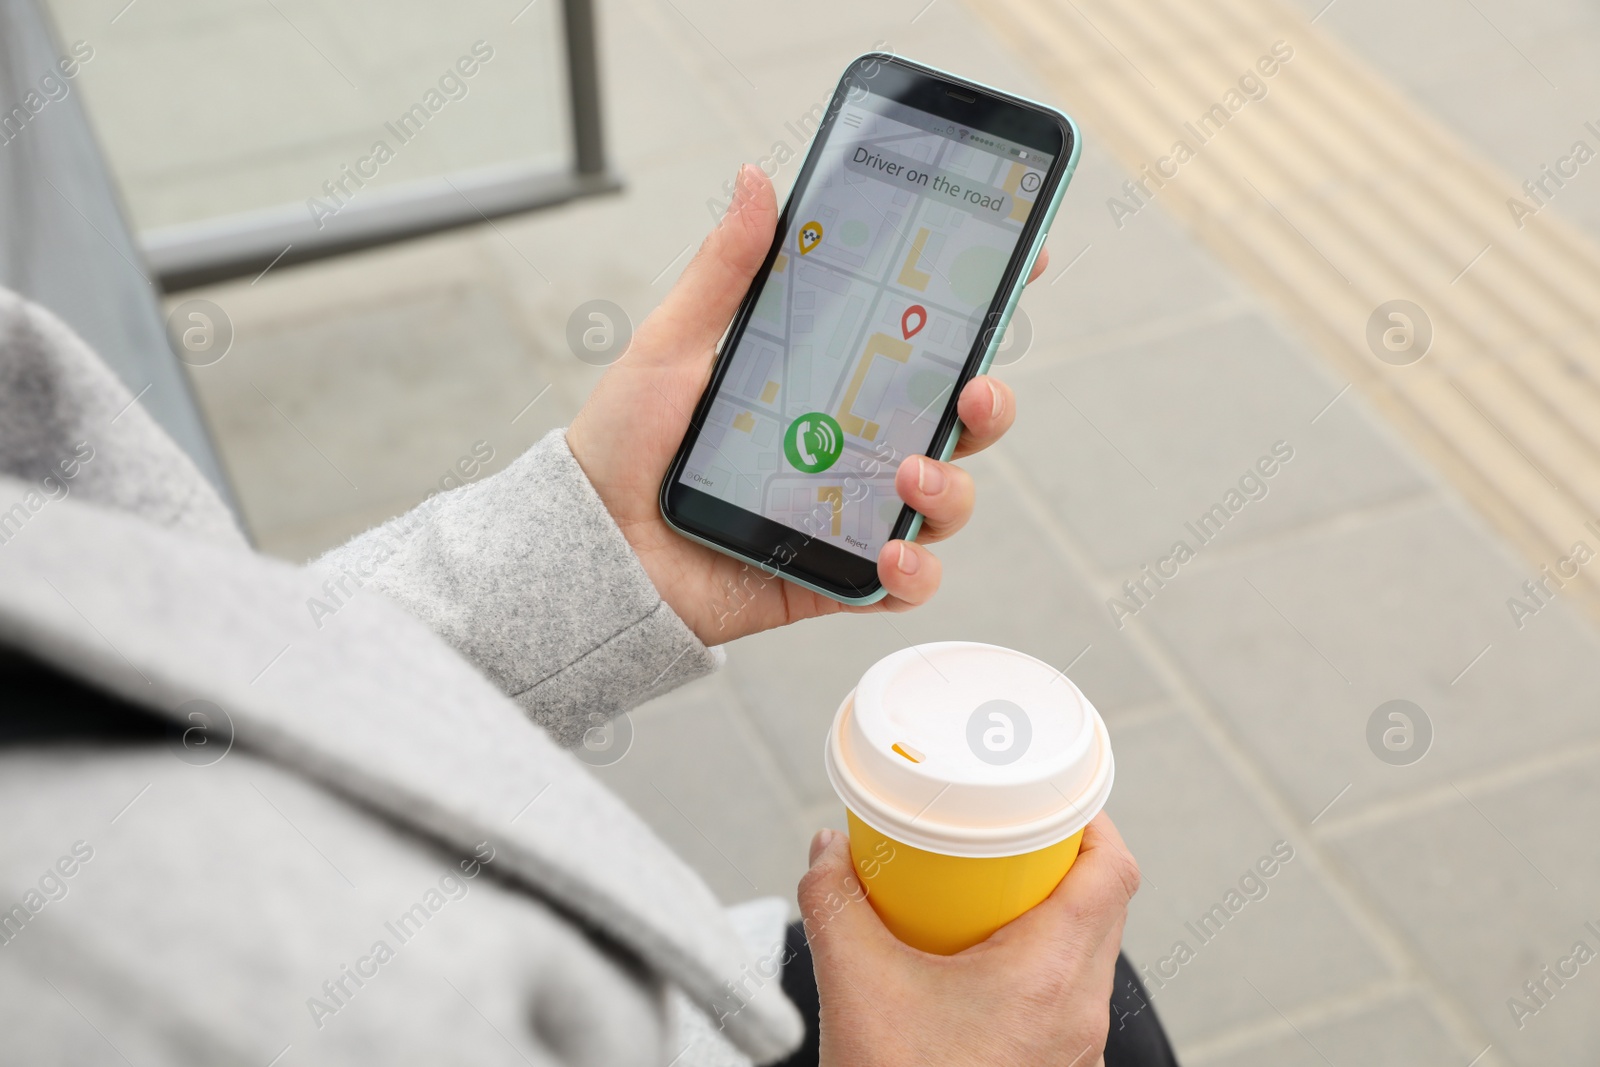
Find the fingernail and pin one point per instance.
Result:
(908, 561)
(995, 401)
(743, 186)
(930, 479)
(820, 843)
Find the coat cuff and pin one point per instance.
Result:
(528, 577)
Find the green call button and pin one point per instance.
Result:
(813, 442)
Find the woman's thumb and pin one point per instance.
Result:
(697, 311)
(833, 901)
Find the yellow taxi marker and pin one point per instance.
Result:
(810, 236)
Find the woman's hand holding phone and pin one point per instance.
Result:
(633, 422)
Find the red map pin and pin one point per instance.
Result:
(914, 319)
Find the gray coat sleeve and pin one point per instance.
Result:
(528, 577)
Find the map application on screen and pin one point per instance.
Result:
(894, 253)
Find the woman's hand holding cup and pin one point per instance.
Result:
(1036, 992)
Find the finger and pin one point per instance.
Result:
(987, 408)
(1039, 264)
(942, 492)
(1109, 857)
(833, 906)
(1101, 836)
(1091, 903)
(698, 309)
(1103, 833)
(910, 573)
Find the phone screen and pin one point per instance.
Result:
(894, 252)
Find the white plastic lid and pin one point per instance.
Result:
(968, 749)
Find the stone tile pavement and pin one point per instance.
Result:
(1419, 898)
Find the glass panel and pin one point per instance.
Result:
(294, 109)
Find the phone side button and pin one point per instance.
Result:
(1038, 246)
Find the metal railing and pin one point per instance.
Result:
(240, 245)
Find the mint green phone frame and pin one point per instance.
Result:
(983, 366)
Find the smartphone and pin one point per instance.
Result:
(898, 259)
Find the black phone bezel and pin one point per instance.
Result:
(781, 549)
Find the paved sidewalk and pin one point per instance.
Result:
(1420, 897)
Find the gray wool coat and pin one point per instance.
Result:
(363, 841)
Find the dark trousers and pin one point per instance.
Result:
(1136, 1038)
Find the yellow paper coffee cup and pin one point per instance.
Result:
(969, 772)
